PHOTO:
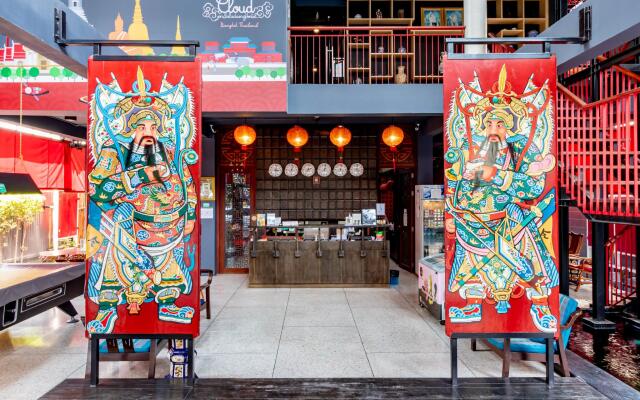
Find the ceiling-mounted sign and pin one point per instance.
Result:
(226, 10)
(240, 40)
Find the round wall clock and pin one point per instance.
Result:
(308, 170)
(291, 170)
(356, 169)
(324, 170)
(340, 169)
(275, 170)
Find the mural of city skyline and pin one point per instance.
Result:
(238, 41)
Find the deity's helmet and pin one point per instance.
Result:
(499, 114)
(141, 105)
(500, 103)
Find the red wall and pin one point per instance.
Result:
(51, 164)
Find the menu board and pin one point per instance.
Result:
(500, 196)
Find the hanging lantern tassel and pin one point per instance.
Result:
(394, 150)
(393, 136)
(297, 137)
(340, 137)
(244, 135)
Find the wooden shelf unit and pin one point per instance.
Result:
(516, 18)
(390, 12)
(380, 65)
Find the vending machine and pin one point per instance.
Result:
(429, 220)
(430, 247)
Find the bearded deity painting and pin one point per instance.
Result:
(143, 170)
(500, 176)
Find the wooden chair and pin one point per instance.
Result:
(535, 349)
(578, 265)
(205, 291)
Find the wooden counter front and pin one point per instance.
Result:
(362, 264)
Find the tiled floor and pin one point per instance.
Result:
(267, 333)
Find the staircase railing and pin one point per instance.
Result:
(599, 156)
(610, 81)
(620, 253)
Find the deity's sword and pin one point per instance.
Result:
(543, 212)
(120, 238)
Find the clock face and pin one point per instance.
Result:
(291, 170)
(308, 170)
(339, 169)
(275, 170)
(324, 170)
(356, 169)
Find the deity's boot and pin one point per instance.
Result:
(472, 311)
(107, 314)
(540, 312)
(168, 311)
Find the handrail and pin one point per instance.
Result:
(571, 95)
(618, 68)
(546, 42)
(618, 235)
(626, 72)
(376, 28)
(585, 106)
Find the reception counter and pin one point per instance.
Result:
(291, 261)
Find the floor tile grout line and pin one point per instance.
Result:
(412, 306)
(275, 360)
(359, 335)
(84, 365)
(223, 306)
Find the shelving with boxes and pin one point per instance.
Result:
(374, 54)
(517, 18)
(380, 12)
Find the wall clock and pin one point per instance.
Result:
(308, 170)
(340, 169)
(324, 170)
(356, 169)
(291, 170)
(275, 170)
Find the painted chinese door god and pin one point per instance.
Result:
(500, 176)
(143, 171)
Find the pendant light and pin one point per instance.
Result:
(297, 137)
(244, 135)
(340, 136)
(393, 136)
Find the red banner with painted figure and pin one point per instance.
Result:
(501, 196)
(143, 168)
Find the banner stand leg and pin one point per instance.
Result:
(191, 367)
(454, 360)
(94, 341)
(550, 361)
(549, 341)
(95, 361)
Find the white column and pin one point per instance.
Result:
(475, 22)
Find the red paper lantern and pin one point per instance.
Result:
(340, 137)
(244, 135)
(392, 136)
(297, 136)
